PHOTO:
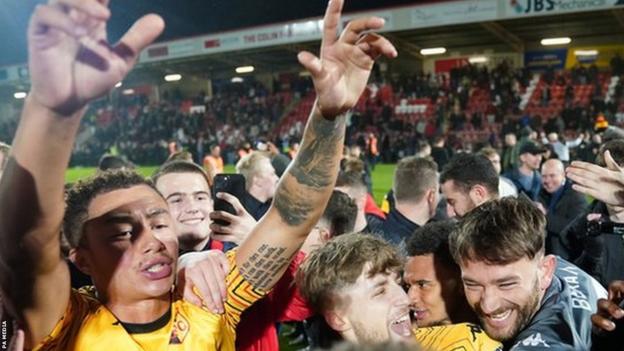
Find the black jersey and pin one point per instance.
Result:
(563, 321)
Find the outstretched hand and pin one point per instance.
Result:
(341, 73)
(604, 184)
(70, 60)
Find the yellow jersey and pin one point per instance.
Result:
(89, 325)
(456, 337)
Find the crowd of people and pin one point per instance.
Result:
(482, 248)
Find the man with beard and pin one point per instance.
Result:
(353, 282)
(524, 298)
(119, 227)
(468, 181)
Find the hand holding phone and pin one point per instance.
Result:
(233, 184)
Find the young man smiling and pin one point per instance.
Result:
(524, 298)
(354, 282)
(118, 225)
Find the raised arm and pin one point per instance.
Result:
(339, 76)
(70, 64)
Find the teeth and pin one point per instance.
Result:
(501, 316)
(155, 268)
(401, 320)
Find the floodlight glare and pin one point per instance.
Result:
(556, 41)
(478, 59)
(432, 51)
(244, 69)
(585, 52)
(173, 77)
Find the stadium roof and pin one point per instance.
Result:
(184, 18)
(510, 35)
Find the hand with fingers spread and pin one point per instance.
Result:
(201, 279)
(240, 225)
(70, 60)
(341, 72)
(609, 309)
(604, 184)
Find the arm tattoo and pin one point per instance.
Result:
(313, 168)
(263, 268)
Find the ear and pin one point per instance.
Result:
(478, 194)
(324, 235)
(547, 268)
(76, 256)
(337, 322)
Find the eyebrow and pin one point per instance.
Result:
(503, 280)
(156, 212)
(201, 192)
(174, 194)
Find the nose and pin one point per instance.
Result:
(149, 240)
(490, 301)
(413, 293)
(190, 205)
(399, 297)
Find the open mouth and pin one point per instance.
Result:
(157, 269)
(402, 326)
(419, 314)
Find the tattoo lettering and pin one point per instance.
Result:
(262, 272)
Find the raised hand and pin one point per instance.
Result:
(604, 184)
(341, 73)
(70, 60)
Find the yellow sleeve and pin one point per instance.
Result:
(240, 294)
(67, 328)
(463, 336)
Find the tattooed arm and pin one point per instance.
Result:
(69, 65)
(339, 76)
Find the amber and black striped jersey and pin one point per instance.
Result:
(89, 325)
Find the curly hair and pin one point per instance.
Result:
(80, 195)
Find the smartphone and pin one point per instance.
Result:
(230, 183)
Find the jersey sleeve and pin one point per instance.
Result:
(67, 328)
(240, 294)
(453, 337)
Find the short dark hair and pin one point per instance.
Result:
(351, 179)
(413, 177)
(179, 167)
(488, 151)
(340, 213)
(467, 170)
(180, 156)
(338, 264)
(499, 232)
(80, 195)
(616, 148)
(433, 239)
(110, 162)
